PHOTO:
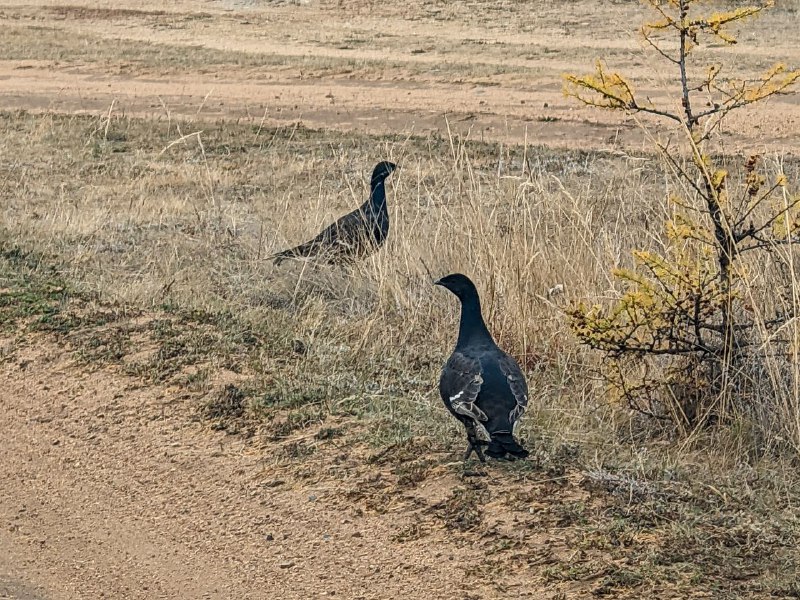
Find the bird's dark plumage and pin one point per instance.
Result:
(355, 235)
(482, 386)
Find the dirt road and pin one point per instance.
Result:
(114, 490)
(493, 70)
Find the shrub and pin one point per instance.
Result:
(704, 331)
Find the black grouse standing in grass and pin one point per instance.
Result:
(355, 235)
(480, 384)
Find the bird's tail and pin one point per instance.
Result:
(278, 258)
(303, 250)
(504, 443)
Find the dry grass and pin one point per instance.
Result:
(143, 244)
(149, 222)
(64, 48)
(160, 214)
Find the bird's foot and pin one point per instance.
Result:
(476, 448)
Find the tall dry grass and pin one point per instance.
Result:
(156, 213)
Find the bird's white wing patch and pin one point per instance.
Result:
(469, 409)
(482, 433)
(464, 381)
(517, 385)
(467, 406)
(519, 410)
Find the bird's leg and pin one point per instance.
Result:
(476, 448)
(474, 445)
(479, 452)
(470, 450)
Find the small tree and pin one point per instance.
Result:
(677, 340)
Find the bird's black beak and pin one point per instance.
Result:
(438, 282)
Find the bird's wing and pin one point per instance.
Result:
(517, 384)
(343, 231)
(348, 233)
(461, 383)
(351, 234)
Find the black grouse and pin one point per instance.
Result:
(482, 386)
(355, 235)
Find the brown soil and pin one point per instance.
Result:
(111, 489)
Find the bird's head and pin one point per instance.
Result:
(459, 284)
(382, 170)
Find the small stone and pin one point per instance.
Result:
(286, 564)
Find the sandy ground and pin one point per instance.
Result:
(113, 490)
(493, 70)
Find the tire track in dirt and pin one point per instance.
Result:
(377, 108)
(490, 114)
(395, 71)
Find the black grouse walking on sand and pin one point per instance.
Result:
(355, 235)
(480, 384)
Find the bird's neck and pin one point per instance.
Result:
(472, 329)
(377, 197)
